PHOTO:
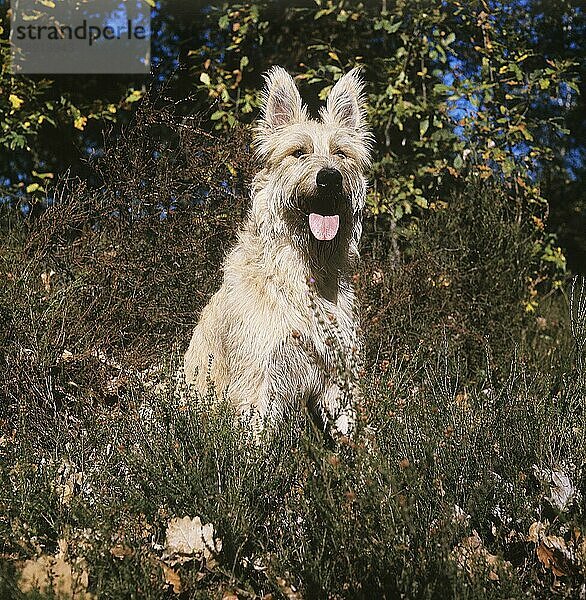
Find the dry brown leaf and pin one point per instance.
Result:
(288, 590)
(171, 577)
(546, 556)
(552, 551)
(54, 573)
(470, 553)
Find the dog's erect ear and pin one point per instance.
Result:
(345, 103)
(281, 102)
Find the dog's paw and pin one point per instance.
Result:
(344, 424)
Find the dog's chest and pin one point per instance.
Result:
(324, 348)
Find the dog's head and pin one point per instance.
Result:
(312, 186)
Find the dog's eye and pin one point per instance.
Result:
(340, 154)
(298, 153)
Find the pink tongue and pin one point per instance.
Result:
(324, 228)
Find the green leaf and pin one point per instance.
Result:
(134, 96)
(392, 27)
(440, 88)
(323, 94)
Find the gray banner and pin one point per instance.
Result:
(80, 36)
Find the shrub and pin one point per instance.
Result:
(465, 278)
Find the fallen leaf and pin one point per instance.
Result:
(470, 554)
(187, 539)
(546, 556)
(54, 574)
(287, 589)
(552, 551)
(171, 577)
(558, 483)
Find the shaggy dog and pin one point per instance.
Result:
(281, 332)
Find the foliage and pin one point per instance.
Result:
(446, 493)
(470, 276)
(456, 90)
(32, 110)
(136, 257)
(450, 92)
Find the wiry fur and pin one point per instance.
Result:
(265, 339)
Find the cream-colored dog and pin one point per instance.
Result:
(281, 332)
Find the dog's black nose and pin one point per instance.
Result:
(329, 179)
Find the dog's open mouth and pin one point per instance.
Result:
(324, 227)
(324, 214)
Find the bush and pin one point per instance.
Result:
(112, 274)
(465, 278)
(447, 491)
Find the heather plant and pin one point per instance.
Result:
(447, 491)
(464, 480)
(465, 278)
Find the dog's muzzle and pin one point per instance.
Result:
(324, 225)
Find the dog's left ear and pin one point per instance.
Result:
(345, 103)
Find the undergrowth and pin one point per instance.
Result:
(439, 495)
(465, 478)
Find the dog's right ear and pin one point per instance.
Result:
(281, 102)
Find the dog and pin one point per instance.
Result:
(282, 330)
